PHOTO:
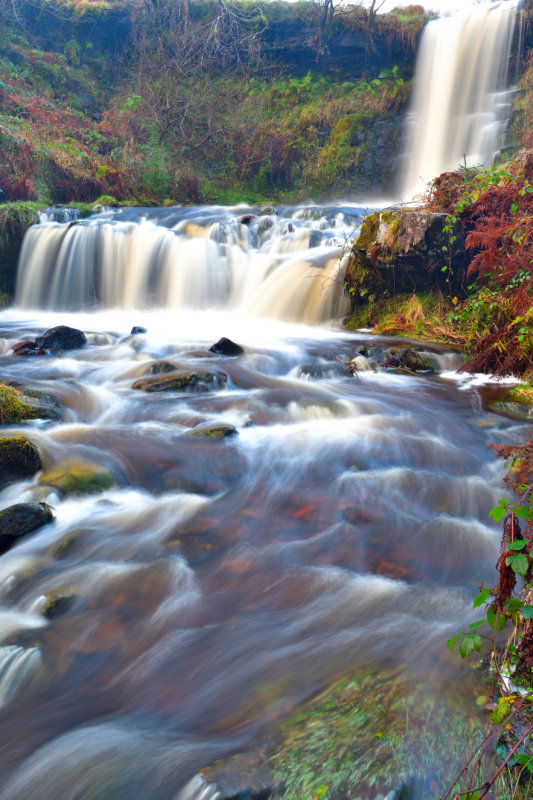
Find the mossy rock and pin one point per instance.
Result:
(18, 520)
(19, 405)
(13, 409)
(213, 431)
(74, 476)
(198, 381)
(19, 459)
(58, 603)
(521, 394)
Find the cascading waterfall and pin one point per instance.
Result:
(288, 265)
(460, 102)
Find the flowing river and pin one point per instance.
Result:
(219, 582)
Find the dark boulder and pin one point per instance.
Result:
(18, 520)
(61, 338)
(225, 347)
(138, 329)
(19, 459)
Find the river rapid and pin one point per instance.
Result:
(221, 582)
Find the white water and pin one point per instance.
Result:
(460, 100)
(287, 265)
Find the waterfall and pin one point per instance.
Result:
(460, 103)
(287, 265)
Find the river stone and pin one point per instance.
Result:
(225, 347)
(75, 476)
(19, 459)
(137, 329)
(197, 381)
(18, 520)
(406, 358)
(213, 431)
(43, 405)
(360, 364)
(58, 603)
(61, 338)
(317, 371)
(28, 348)
(160, 367)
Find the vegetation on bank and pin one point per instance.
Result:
(199, 101)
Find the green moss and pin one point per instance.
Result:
(73, 476)
(19, 458)
(12, 408)
(58, 603)
(522, 394)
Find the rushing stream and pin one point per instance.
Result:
(219, 582)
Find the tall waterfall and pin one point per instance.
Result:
(460, 103)
(287, 264)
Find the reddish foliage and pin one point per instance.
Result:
(502, 242)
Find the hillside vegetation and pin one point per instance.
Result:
(176, 100)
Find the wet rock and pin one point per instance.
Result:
(225, 347)
(19, 459)
(517, 411)
(18, 404)
(198, 381)
(245, 776)
(315, 238)
(18, 520)
(160, 367)
(28, 348)
(74, 476)
(360, 364)
(43, 405)
(247, 219)
(61, 338)
(213, 431)
(317, 371)
(58, 603)
(406, 358)
(137, 329)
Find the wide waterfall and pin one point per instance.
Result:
(288, 264)
(460, 102)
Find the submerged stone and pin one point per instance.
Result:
(19, 459)
(160, 367)
(74, 476)
(225, 347)
(213, 431)
(198, 381)
(18, 520)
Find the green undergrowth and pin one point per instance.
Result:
(417, 316)
(379, 731)
(15, 219)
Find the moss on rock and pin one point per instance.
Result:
(13, 409)
(74, 476)
(19, 459)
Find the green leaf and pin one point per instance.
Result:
(482, 596)
(471, 642)
(527, 612)
(519, 563)
(453, 640)
(523, 512)
(518, 544)
(475, 625)
(498, 513)
(495, 621)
